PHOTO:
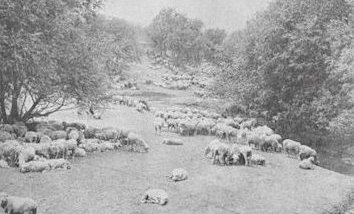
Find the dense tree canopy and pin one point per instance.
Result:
(50, 57)
(288, 62)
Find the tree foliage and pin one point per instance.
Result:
(287, 62)
(49, 57)
(177, 37)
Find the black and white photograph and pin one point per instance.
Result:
(176, 106)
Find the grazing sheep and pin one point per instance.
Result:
(247, 153)
(17, 205)
(307, 152)
(155, 196)
(31, 137)
(257, 159)
(34, 166)
(235, 157)
(178, 174)
(220, 154)
(3, 164)
(255, 139)
(172, 141)
(291, 147)
(109, 133)
(209, 149)
(136, 143)
(307, 163)
(41, 149)
(90, 132)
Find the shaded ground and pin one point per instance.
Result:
(113, 182)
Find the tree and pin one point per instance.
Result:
(176, 37)
(49, 58)
(284, 57)
(214, 39)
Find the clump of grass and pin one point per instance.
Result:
(343, 207)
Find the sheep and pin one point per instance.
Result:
(255, 139)
(31, 137)
(307, 163)
(178, 174)
(235, 156)
(209, 149)
(306, 152)
(26, 154)
(59, 164)
(291, 147)
(17, 205)
(263, 130)
(35, 166)
(134, 141)
(79, 152)
(55, 135)
(44, 139)
(42, 149)
(155, 196)
(247, 153)
(20, 129)
(172, 141)
(257, 159)
(9, 151)
(7, 128)
(220, 153)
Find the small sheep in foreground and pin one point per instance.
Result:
(155, 196)
(172, 141)
(307, 163)
(178, 174)
(17, 205)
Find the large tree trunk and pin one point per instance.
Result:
(2, 98)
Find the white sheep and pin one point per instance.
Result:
(178, 174)
(307, 163)
(155, 196)
(172, 141)
(247, 153)
(306, 152)
(31, 137)
(291, 147)
(209, 149)
(17, 205)
(34, 166)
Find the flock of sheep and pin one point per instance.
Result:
(41, 146)
(139, 105)
(240, 134)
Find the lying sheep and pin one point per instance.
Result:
(34, 166)
(17, 205)
(136, 143)
(172, 141)
(178, 175)
(257, 160)
(306, 152)
(155, 196)
(58, 164)
(291, 147)
(307, 163)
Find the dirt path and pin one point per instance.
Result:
(113, 182)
